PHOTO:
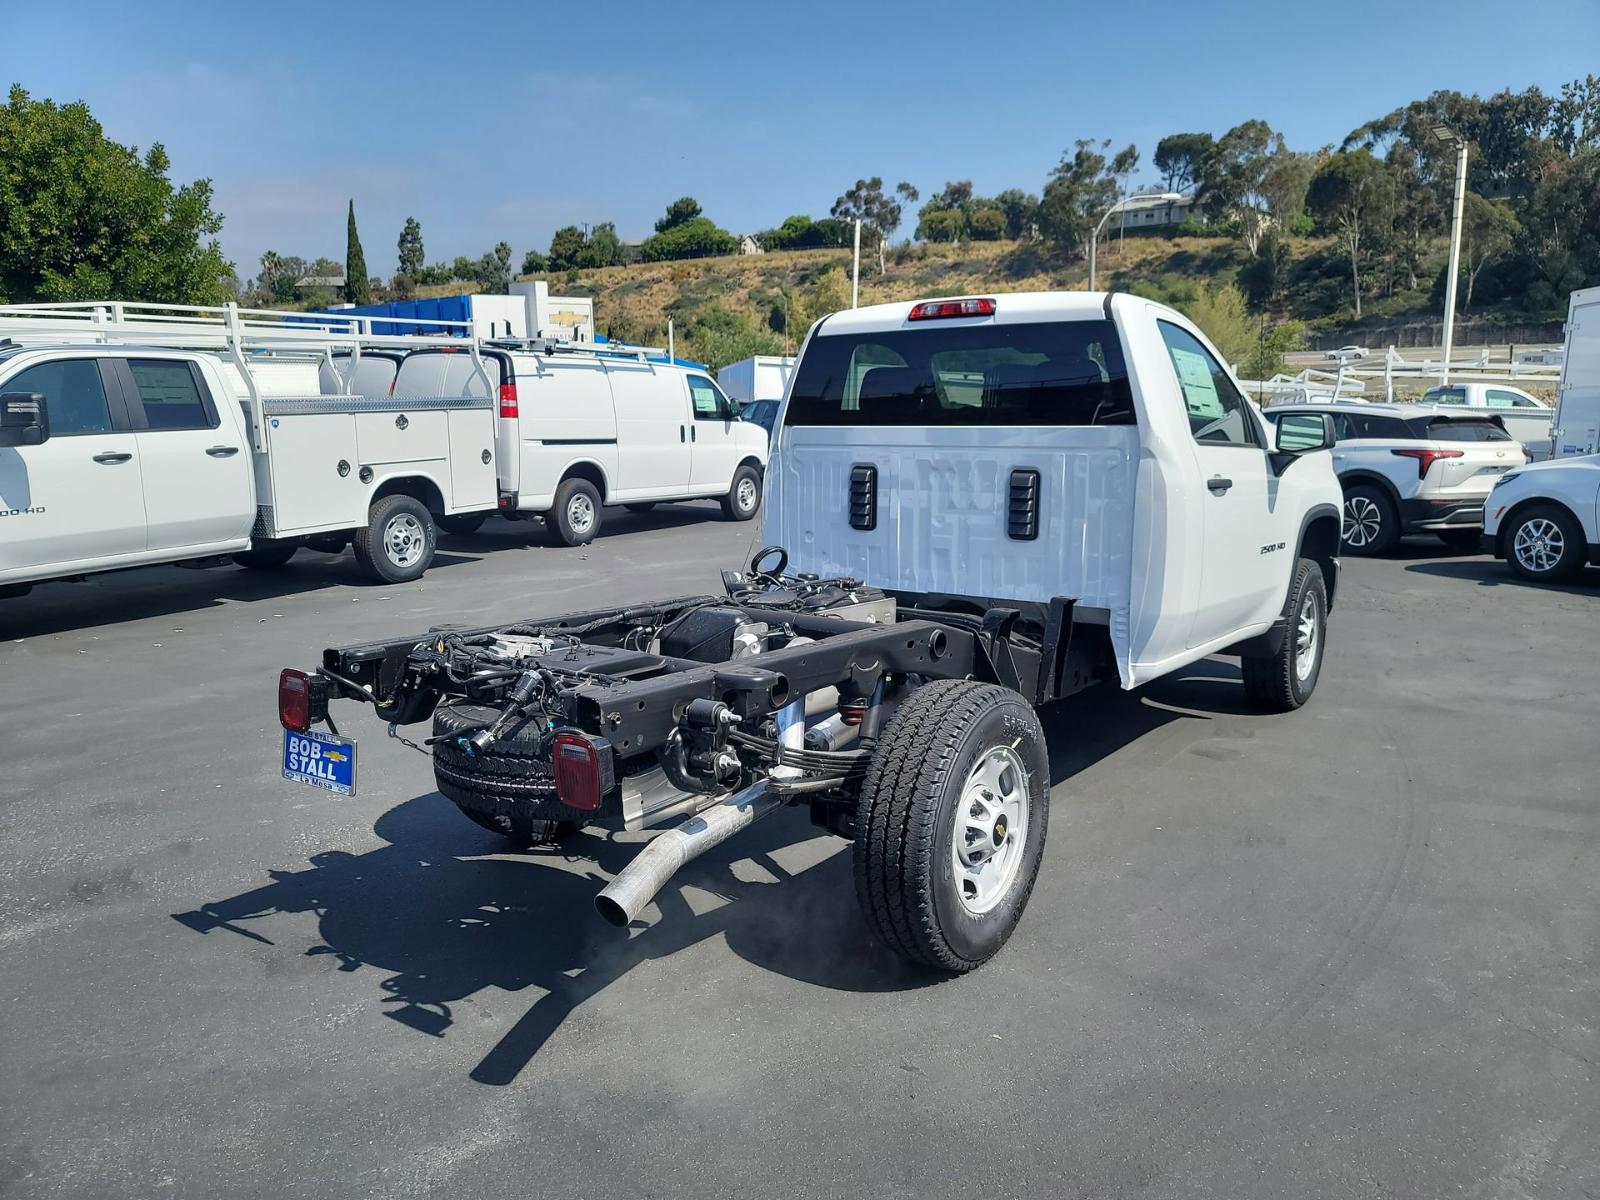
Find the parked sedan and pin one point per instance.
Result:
(1544, 519)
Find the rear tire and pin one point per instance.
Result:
(267, 557)
(1463, 540)
(507, 789)
(959, 785)
(1282, 682)
(1544, 544)
(1371, 523)
(462, 524)
(398, 542)
(574, 518)
(743, 500)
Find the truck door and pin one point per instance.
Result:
(653, 427)
(195, 458)
(76, 499)
(1244, 567)
(713, 437)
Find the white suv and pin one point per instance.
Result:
(1544, 520)
(1406, 468)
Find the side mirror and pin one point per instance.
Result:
(24, 419)
(1301, 433)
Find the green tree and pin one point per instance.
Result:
(986, 225)
(942, 225)
(694, 238)
(830, 294)
(566, 247)
(1021, 213)
(357, 290)
(605, 247)
(679, 212)
(1233, 177)
(879, 212)
(534, 263)
(718, 337)
(1179, 157)
(492, 272)
(1078, 193)
(411, 248)
(1345, 195)
(1488, 230)
(83, 217)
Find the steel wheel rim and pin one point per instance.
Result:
(1307, 637)
(1539, 545)
(745, 494)
(1362, 520)
(404, 539)
(991, 829)
(580, 513)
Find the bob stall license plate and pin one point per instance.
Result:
(321, 760)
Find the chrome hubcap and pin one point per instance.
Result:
(1307, 637)
(580, 513)
(745, 494)
(991, 829)
(1362, 520)
(404, 540)
(1539, 544)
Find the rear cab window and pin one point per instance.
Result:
(171, 395)
(1036, 373)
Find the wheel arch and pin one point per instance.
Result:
(587, 468)
(421, 488)
(1348, 480)
(1320, 530)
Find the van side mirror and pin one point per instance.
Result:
(24, 419)
(1301, 433)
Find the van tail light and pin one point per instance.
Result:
(934, 310)
(302, 699)
(1425, 458)
(508, 400)
(583, 769)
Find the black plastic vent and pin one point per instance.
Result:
(864, 497)
(1022, 511)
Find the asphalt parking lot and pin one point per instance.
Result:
(1354, 951)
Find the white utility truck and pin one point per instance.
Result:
(1577, 420)
(988, 503)
(138, 434)
(759, 377)
(584, 425)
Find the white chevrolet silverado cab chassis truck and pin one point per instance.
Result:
(975, 506)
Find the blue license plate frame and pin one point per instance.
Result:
(320, 760)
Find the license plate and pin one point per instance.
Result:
(320, 760)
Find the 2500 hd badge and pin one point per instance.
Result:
(36, 511)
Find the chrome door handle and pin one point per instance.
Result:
(110, 457)
(1218, 484)
(223, 451)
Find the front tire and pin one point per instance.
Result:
(574, 519)
(951, 823)
(1371, 523)
(398, 542)
(744, 498)
(1283, 681)
(1544, 544)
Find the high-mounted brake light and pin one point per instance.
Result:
(933, 310)
(294, 700)
(580, 773)
(1425, 458)
(508, 400)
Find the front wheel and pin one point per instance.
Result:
(1371, 523)
(398, 542)
(744, 497)
(574, 519)
(1283, 681)
(1544, 544)
(951, 822)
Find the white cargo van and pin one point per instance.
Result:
(1577, 422)
(585, 426)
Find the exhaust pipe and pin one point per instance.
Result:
(630, 893)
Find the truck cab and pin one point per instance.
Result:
(1023, 448)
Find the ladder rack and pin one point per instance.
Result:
(232, 331)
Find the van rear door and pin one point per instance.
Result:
(972, 457)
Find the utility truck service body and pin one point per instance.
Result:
(1577, 419)
(977, 505)
(134, 434)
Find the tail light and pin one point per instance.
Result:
(302, 699)
(582, 770)
(1425, 458)
(934, 310)
(508, 400)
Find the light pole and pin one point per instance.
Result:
(1120, 206)
(1449, 137)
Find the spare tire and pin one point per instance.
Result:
(508, 789)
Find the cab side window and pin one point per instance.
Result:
(1218, 412)
(709, 403)
(73, 394)
(171, 395)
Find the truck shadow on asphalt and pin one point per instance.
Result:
(1489, 572)
(447, 914)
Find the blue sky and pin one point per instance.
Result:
(505, 121)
